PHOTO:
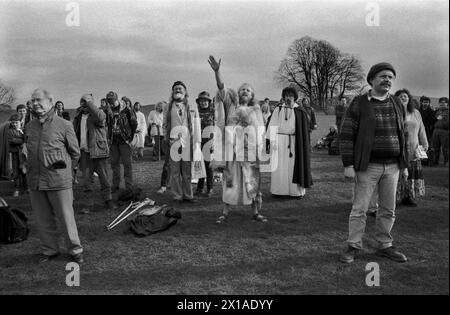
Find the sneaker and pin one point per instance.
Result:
(161, 191)
(348, 256)
(392, 254)
(16, 193)
(78, 258)
(85, 210)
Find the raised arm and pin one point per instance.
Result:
(216, 68)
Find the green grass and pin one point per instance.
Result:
(296, 252)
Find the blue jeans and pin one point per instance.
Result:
(385, 178)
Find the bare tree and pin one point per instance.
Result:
(319, 70)
(7, 95)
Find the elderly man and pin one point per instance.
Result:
(52, 146)
(90, 129)
(182, 129)
(373, 149)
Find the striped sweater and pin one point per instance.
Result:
(373, 131)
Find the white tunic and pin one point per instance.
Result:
(284, 153)
(139, 137)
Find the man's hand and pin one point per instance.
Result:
(214, 64)
(349, 172)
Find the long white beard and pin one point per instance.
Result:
(178, 96)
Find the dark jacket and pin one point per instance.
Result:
(52, 149)
(302, 165)
(428, 118)
(441, 123)
(96, 131)
(126, 121)
(358, 133)
(15, 139)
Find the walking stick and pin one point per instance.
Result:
(147, 201)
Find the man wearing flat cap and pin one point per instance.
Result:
(181, 127)
(373, 149)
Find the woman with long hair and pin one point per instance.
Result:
(413, 186)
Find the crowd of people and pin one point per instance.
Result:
(382, 138)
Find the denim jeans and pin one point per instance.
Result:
(385, 178)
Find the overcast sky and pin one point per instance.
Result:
(139, 48)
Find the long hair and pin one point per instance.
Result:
(410, 106)
(252, 101)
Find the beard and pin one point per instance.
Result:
(178, 96)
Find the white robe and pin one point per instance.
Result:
(281, 178)
(139, 137)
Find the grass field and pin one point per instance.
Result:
(296, 252)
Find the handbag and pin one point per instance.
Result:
(420, 153)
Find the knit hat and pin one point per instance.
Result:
(111, 95)
(379, 67)
(205, 96)
(179, 83)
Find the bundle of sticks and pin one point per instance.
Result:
(133, 207)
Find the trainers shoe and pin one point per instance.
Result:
(78, 258)
(392, 254)
(348, 256)
(16, 193)
(85, 210)
(161, 191)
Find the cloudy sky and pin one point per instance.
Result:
(139, 48)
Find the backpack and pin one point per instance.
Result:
(13, 224)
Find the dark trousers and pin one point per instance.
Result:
(20, 179)
(121, 153)
(158, 147)
(440, 140)
(165, 173)
(209, 179)
(100, 166)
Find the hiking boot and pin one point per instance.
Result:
(392, 254)
(78, 258)
(348, 256)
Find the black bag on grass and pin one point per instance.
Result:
(13, 224)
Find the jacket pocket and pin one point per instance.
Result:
(102, 147)
(54, 157)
